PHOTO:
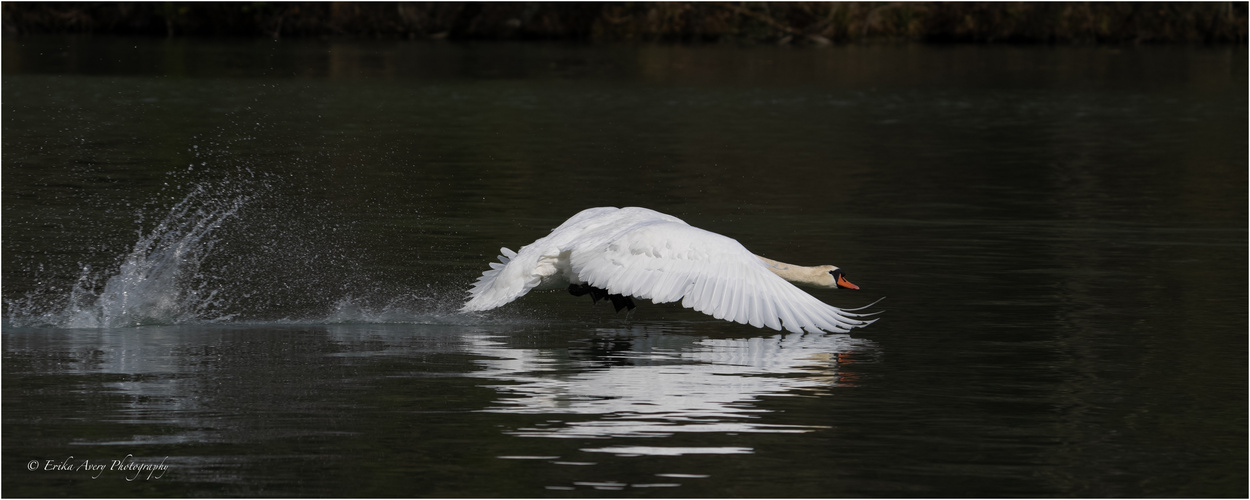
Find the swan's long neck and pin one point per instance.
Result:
(793, 273)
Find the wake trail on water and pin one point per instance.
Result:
(227, 253)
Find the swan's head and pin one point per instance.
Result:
(832, 277)
(818, 276)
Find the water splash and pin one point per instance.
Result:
(243, 248)
(158, 282)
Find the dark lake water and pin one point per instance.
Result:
(232, 268)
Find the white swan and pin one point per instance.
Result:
(638, 252)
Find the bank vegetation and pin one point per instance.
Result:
(749, 22)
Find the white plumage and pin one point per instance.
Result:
(642, 253)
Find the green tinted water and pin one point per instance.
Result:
(1060, 235)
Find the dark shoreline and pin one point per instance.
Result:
(749, 22)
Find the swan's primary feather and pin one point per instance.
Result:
(646, 254)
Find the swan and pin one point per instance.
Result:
(618, 253)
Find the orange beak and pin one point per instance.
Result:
(843, 283)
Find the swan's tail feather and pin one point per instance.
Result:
(514, 274)
(485, 294)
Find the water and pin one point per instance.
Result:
(239, 264)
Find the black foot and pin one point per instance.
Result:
(596, 294)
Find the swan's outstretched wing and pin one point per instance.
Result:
(666, 261)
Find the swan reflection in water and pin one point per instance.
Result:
(642, 383)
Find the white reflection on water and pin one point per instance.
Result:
(651, 384)
(138, 370)
(637, 382)
(671, 451)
